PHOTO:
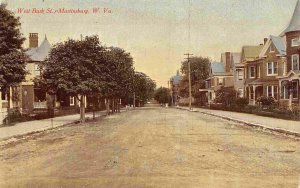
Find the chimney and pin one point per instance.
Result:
(227, 61)
(265, 41)
(33, 40)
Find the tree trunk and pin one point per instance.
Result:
(94, 116)
(8, 98)
(82, 108)
(134, 100)
(119, 105)
(107, 106)
(113, 105)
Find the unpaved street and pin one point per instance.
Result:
(152, 147)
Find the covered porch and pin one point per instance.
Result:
(290, 89)
(253, 92)
(210, 94)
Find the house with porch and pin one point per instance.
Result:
(33, 97)
(252, 70)
(220, 75)
(262, 73)
(289, 83)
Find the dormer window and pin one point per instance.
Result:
(295, 42)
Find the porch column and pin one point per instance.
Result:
(249, 94)
(254, 96)
(290, 99)
(10, 98)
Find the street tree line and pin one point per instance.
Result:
(86, 68)
(77, 68)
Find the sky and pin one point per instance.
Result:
(156, 32)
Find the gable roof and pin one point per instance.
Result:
(217, 67)
(250, 53)
(295, 21)
(40, 53)
(279, 44)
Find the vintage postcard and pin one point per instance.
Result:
(149, 93)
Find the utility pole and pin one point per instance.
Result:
(190, 83)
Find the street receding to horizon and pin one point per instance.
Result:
(152, 147)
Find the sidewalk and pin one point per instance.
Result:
(40, 125)
(273, 124)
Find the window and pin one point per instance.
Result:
(72, 101)
(220, 81)
(295, 42)
(295, 89)
(258, 72)
(3, 96)
(295, 62)
(251, 93)
(252, 72)
(241, 92)
(285, 92)
(272, 91)
(240, 74)
(272, 68)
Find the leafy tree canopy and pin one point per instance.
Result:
(162, 95)
(76, 67)
(11, 38)
(199, 72)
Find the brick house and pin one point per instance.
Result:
(262, 73)
(252, 71)
(289, 83)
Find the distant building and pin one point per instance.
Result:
(174, 84)
(238, 73)
(220, 75)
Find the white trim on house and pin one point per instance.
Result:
(274, 72)
(295, 42)
(274, 91)
(240, 74)
(250, 71)
(72, 101)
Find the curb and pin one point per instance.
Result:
(263, 127)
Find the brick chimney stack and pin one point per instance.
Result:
(33, 40)
(265, 41)
(227, 61)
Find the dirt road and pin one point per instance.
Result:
(153, 147)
